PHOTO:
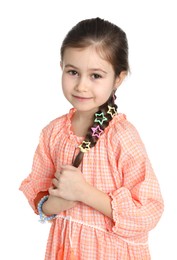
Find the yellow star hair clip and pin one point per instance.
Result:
(112, 111)
(84, 146)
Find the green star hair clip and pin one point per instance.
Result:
(112, 111)
(100, 118)
(84, 146)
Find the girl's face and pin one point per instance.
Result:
(87, 79)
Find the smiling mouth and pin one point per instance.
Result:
(82, 98)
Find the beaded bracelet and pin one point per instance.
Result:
(43, 217)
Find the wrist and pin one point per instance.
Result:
(43, 217)
(85, 193)
(56, 205)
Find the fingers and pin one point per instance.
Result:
(64, 168)
(55, 182)
(57, 175)
(52, 191)
(68, 167)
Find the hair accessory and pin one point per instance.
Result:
(112, 111)
(43, 217)
(100, 118)
(85, 146)
(96, 131)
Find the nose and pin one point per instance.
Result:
(81, 85)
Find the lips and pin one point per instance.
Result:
(82, 98)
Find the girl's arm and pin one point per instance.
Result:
(36, 185)
(71, 186)
(55, 205)
(134, 208)
(97, 200)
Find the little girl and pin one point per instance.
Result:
(91, 176)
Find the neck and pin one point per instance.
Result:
(81, 121)
(84, 116)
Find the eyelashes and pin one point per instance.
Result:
(93, 75)
(96, 76)
(72, 72)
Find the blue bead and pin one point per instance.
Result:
(44, 218)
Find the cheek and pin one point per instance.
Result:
(64, 87)
(105, 91)
(65, 83)
(63, 79)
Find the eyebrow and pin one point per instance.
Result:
(93, 69)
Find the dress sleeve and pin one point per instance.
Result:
(137, 205)
(40, 178)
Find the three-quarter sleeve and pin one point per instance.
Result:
(40, 178)
(137, 205)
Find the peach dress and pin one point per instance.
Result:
(119, 166)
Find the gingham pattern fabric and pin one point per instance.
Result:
(119, 166)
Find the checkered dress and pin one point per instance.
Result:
(119, 166)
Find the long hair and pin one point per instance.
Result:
(110, 42)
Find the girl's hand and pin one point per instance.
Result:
(68, 184)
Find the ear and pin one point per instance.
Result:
(120, 79)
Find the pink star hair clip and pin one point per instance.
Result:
(85, 146)
(112, 111)
(96, 131)
(100, 118)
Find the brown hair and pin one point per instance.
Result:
(111, 43)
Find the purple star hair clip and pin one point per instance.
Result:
(100, 118)
(96, 131)
(112, 111)
(84, 146)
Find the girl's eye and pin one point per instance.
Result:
(96, 76)
(72, 72)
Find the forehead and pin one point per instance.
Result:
(87, 57)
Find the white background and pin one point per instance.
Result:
(30, 97)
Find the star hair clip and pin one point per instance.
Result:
(96, 131)
(84, 146)
(100, 118)
(112, 111)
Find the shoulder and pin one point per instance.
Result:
(125, 134)
(57, 126)
(125, 129)
(121, 127)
